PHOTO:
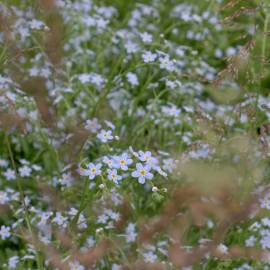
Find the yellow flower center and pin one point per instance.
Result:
(142, 172)
(122, 162)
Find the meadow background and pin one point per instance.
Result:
(134, 134)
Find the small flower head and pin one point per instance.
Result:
(149, 57)
(132, 79)
(148, 158)
(76, 266)
(4, 232)
(93, 170)
(92, 125)
(105, 135)
(13, 261)
(146, 37)
(169, 165)
(113, 176)
(142, 172)
(10, 174)
(25, 171)
(108, 161)
(123, 161)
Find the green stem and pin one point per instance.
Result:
(22, 196)
(263, 56)
(82, 203)
(265, 29)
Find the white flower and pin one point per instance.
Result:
(231, 51)
(266, 222)
(131, 47)
(3, 163)
(92, 125)
(67, 179)
(171, 84)
(149, 57)
(73, 211)
(142, 172)
(202, 152)
(265, 202)
(113, 176)
(92, 78)
(116, 267)
(101, 186)
(250, 242)
(3, 197)
(76, 266)
(108, 161)
(90, 242)
(150, 257)
(93, 170)
(166, 63)
(115, 216)
(44, 218)
(146, 37)
(105, 135)
(82, 171)
(132, 79)
(130, 233)
(60, 220)
(161, 172)
(222, 249)
(169, 164)
(149, 159)
(101, 23)
(35, 24)
(133, 152)
(25, 171)
(103, 219)
(12, 262)
(97, 79)
(265, 242)
(144, 156)
(122, 161)
(4, 232)
(36, 167)
(218, 53)
(84, 78)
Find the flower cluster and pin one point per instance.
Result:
(107, 107)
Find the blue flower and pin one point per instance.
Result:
(142, 172)
(105, 135)
(149, 159)
(93, 170)
(113, 176)
(122, 161)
